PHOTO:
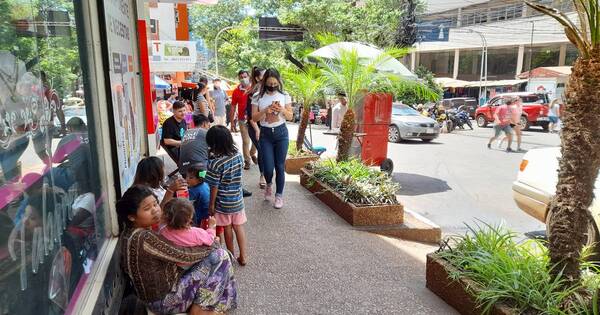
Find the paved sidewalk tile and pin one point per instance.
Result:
(304, 259)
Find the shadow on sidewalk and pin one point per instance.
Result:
(415, 184)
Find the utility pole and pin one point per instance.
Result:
(484, 61)
(530, 54)
(217, 47)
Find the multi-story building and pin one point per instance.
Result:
(518, 39)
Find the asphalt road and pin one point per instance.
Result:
(456, 180)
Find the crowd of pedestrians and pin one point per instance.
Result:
(172, 225)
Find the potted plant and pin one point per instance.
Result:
(353, 76)
(305, 85)
(296, 160)
(487, 271)
(361, 195)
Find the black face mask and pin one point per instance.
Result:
(272, 88)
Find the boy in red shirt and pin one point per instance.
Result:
(239, 101)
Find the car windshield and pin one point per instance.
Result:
(404, 111)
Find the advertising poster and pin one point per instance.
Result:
(124, 87)
(172, 56)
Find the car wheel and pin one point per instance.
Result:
(394, 134)
(592, 236)
(524, 123)
(481, 121)
(546, 126)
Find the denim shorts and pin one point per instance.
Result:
(499, 129)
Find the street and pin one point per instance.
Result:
(456, 179)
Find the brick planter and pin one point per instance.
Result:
(454, 292)
(356, 216)
(293, 165)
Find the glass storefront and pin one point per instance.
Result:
(502, 63)
(52, 211)
(469, 66)
(440, 63)
(547, 56)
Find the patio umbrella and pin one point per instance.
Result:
(366, 52)
(160, 83)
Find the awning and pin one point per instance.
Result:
(453, 83)
(160, 83)
(547, 72)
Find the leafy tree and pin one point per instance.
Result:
(568, 218)
(410, 96)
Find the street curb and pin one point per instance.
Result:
(415, 228)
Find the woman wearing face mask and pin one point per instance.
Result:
(272, 107)
(253, 126)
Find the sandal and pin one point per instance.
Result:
(262, 183)
(241, 261)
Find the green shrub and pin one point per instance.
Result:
(516, 273)
(356, 182)
(292, 152)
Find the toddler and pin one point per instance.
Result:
(224, 176)
(177, 217)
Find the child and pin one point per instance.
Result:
(224, 177)
(199, 193)
(177, 216)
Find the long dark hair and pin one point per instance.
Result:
(150, 171)
(270, 73)
(256, 70)
(129, 204)
(220, 142)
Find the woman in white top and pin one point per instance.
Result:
(272, 107)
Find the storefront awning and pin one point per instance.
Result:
(160, 83)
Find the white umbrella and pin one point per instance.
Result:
(366, 52)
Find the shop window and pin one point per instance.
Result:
(52, 216)
(469, 65)
(547, 56)
(440, 63)
(571, 55)
(502, 63)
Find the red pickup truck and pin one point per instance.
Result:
(535, 109)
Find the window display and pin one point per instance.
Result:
(51, 211)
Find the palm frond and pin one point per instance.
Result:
(305, 84)
(578, 36)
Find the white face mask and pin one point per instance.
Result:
(245, 81)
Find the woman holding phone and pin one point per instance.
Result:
(272, 107)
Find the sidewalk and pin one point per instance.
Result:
(304, 259)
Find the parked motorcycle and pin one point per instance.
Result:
(460, 118)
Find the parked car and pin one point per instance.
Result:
(536, 186)
(70, 112)
(535, 109)
(407, 123)
(468, 104)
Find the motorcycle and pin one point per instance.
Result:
(460, 118)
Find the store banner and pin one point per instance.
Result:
(125, 87)
(172, 56)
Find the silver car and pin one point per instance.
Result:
(407, 123)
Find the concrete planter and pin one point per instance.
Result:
(382, 215)
(454, 292)
(293, 165)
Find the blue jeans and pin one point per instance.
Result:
(273, 147)
(252, 135)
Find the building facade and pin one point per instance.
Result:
(517, 39)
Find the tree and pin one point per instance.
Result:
(410, 96)
(580, 137)
(354, 76)
(305, 84)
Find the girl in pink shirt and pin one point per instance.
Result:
(178, 215)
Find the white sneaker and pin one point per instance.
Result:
(278, 202)
(268, 192)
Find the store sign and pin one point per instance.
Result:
(434, 31)
(125, 87)
(172, 56)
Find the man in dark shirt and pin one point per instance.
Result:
(193, 146)
(172, 131)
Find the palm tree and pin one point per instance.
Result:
(305, 84)
(580, 137)
(355, 77)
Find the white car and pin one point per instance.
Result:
(536, 185)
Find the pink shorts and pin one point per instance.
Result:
(237, 218)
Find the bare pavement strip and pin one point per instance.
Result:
(304, 259)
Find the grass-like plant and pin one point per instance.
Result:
(356, 182)
(517, 273)
(294, 152)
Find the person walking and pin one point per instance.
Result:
(502, 123)
(220, 98)
(516, 110)
(239, 102)
(554, 115)
(172, 131)
(253, 126)
(338, 112)
(272, 107)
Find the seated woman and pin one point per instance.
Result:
(152, 263)
(151, 172)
